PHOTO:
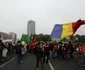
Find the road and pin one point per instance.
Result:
(30, 64)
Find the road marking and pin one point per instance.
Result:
(7, 62)
(51, 66)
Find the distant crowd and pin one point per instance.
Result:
(42, 50)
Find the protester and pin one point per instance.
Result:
(39, 55)
(71, 49)
(9, 47)
(59, 50)
(13, 47)
(19, 52)
(51, 49)
(1, 48)
(55, 47)
(46, 52)
(27, 46)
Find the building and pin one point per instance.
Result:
(31, 27)
(13, 36)
(4, 36)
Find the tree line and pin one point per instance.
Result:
(76, 38)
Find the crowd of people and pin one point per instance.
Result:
(9, 48)
(42, 50)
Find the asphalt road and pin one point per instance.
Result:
(30, 64)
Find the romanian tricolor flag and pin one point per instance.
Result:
(66, 29)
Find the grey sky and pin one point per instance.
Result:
(14, 14)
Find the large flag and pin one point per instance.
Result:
(25, 38)
(33, 38)
(67, 29)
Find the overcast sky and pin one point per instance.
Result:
(14, 14)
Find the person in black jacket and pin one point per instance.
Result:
(71, 50)
(19, 52)
(39, 55)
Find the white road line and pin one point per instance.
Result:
(7, 62)
(51, 66)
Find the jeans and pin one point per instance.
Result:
(51, 53)
(19, 58)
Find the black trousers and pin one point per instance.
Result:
(39, 59)
(46, 54)
(1, 51)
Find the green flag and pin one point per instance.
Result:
(57, 40)
(25, 38)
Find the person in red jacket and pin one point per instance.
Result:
(1, 48)
(46, 52)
